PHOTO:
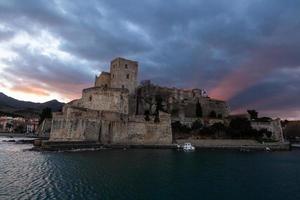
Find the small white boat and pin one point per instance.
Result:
(188, 147)
(268, 149)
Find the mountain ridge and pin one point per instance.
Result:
(15, 107)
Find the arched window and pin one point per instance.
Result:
(127, 76)
(126, 66)
(91, 98)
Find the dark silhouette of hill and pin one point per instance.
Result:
(14, 107)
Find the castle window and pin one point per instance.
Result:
(113, 76)
(126, 66)
(90, 98)
(127, 76)
(123, 86)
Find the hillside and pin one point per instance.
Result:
(14, 107)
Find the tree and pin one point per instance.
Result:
(218, 128)
(159, 107)
(240, 127)
(177, 127)
(156, 118)
(264, 119)
(20, 129)
(199, 112)
(159, 101)
(9, 126)
(266, 132)
(147, 113)
(46, 113)
(213, 114)
(197, 125)
(253, 114)
(284, 123)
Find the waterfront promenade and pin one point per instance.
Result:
(236, 144)
(226, 144)
(199, 144)
(17, 135)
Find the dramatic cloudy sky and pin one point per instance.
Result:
(246, 52)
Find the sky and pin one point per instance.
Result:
(244, 52)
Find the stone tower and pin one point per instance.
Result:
(123, 74)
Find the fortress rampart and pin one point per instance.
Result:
(113, 111)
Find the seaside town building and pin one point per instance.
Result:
(18, 124)
(32, 125)
(6, 124)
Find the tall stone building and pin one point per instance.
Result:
(103, 113)
(114, 110)
(123, 74)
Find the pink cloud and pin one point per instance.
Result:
(30, 89)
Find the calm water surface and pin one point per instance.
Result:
(147, 174)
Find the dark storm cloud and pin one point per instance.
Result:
(34, 65)
(282, 91)
(46, 74)
(232, 48)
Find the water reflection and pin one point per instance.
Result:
(147, 174)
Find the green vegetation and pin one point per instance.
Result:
(147, 115)
(239, 128)
(20, 129)
(253, 114)
(179, 128)
(199, 112)
(197, 125)
(213, 114)
(46, 113)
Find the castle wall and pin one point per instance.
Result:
(99, 98)
(149, 132)
(124, 74)
(103, 80)
(273, 126)
(78, 124)
(210, 105)
(178, 102)
(44, 128)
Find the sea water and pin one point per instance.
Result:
(147, 174)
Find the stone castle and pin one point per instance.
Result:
(119, 111)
